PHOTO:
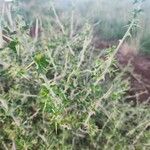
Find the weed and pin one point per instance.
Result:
(62, 96)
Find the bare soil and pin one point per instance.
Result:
(139, 73)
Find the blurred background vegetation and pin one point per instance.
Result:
(109, 17)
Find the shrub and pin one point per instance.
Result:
(57, 94)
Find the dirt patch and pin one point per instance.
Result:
(139, 72)
(99, 43)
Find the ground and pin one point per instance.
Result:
(139, 70)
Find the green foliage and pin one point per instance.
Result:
(63, 96)
(145, 45)
(41, 61)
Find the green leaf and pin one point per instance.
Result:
(41, 61)
(12, 45)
